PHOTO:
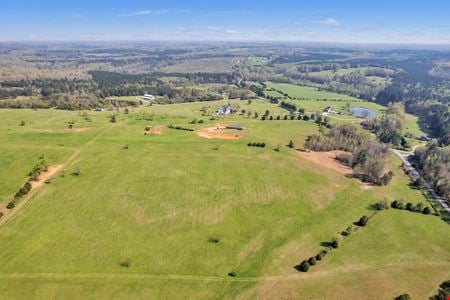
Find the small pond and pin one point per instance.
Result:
(362, 112)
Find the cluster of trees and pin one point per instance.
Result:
(433, 162)
(419, 207)
(177, 127)
(367, 157)
(67, 102)
(262, 145)
(389, 128)
(42, 166)
(288, 105)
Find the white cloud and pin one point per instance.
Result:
(328, 21)
(146, 12)
(223, 30)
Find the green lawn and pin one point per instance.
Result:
(158, 202)
(308, 93)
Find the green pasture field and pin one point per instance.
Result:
(158, 204)
(310, 93)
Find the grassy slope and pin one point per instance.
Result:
(159, 201)
(318, 104)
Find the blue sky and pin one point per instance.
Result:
(362, 21)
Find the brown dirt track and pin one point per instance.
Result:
(218, 132)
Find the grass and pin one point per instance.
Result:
(159, 202)
(308, 93)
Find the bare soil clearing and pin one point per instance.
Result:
(218, 132)
(327, 160)
(52, 170)
(154, 130)
(78, 130)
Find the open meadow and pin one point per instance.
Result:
(171, 214)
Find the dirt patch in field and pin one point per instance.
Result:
(44, 176)
(327, 160)
(154, 130)
(218, 132)
(78, 130)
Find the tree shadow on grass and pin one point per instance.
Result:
(326, 244)
(373, 206)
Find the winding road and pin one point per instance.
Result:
(415, 174)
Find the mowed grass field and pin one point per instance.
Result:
(158, 203)
(314, 100)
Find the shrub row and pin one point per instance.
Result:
(26, 188)
(180, 128)
(304, 265)
(285, 117)
(419, 207)
(262, 145)
(334, 244)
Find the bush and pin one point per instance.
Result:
(419, 183)
(419, 207)
(426, 211)
(232, 274)
(403, 297)
(363, 221)
(312, 261)
(410, 206)
(384, 180)
(319, 256)
(10, 205)
(76, 171)
(214, 239)
(1, 214)
(291, 144)
(304, 266)
(398, 204)
(383, 204)
(336, 241)
(126, 263)
(347, 231)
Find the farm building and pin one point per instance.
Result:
(235, 127)
(225, 110)
(148, 97)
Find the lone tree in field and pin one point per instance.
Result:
(113, 119)
(22, 123)
(291, 144)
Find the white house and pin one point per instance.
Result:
(225, 110)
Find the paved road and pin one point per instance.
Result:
(415, 174)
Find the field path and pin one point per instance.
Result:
(37, 188)
(147, 276)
